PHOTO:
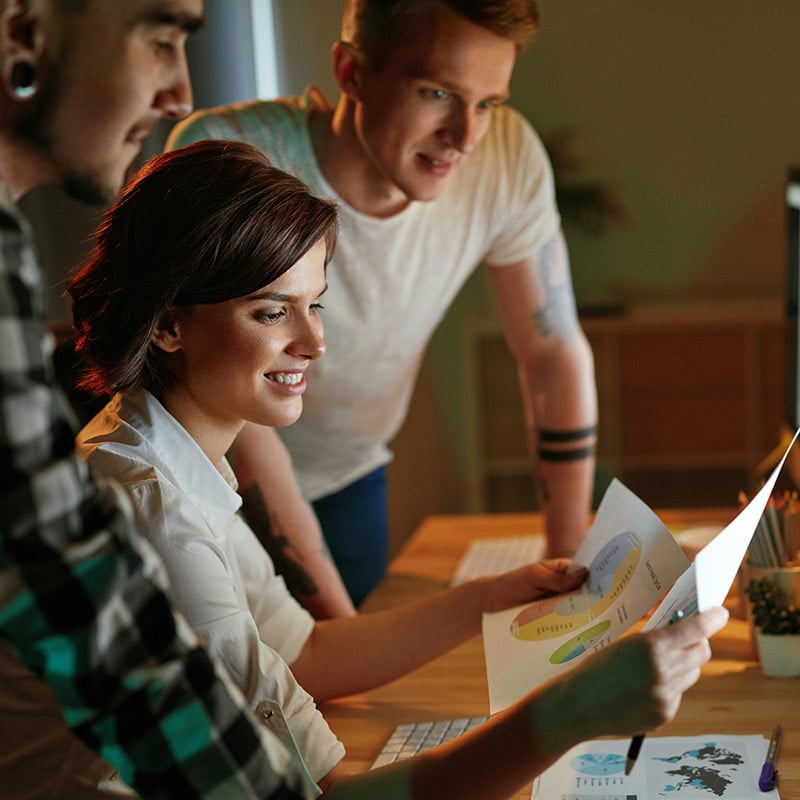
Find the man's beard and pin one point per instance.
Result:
(88, 191)
(36, 129)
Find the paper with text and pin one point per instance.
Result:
(632, 560)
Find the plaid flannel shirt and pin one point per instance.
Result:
(82, 599)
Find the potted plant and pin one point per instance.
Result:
(777, 624)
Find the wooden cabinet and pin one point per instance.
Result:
(690, 403)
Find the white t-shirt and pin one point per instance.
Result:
(391, 280)
(221, 578)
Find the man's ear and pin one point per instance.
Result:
(21, 32)
(166, 335)
(21, 48)
(348, 65)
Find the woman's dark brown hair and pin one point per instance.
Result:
(203, 224)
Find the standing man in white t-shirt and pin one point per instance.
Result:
(434, 175)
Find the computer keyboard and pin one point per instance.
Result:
(495, 556)
(414, 737)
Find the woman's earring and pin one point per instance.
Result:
(23, 79)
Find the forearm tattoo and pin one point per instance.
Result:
(567, 445)
(558, 316)
(268, 530)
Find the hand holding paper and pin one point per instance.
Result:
(632, 560)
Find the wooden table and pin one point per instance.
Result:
(731, 697)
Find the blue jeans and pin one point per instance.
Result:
(356, 529)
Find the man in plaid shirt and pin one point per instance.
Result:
(82, 600)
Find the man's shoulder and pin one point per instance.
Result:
(249, 121)
(506, 114)
(258, 122)
(512, 151)
(509, 128)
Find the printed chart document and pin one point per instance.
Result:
(633, 561)
(680, 768)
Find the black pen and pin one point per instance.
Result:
(633, 752)
(769, 775)
(636, 743)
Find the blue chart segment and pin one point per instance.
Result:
(602, 774)
(598, 764)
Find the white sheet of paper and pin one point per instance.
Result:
(633, 559)
(681, 767)
(714, 569)
(718, 562)
(682, 597)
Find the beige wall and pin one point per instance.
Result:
(305, 31)
(691, 111)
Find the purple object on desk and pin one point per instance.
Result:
(769, 775)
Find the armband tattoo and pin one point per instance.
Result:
(567, 436)
(575, 454)
(550, 437)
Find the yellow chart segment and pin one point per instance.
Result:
(565, 615)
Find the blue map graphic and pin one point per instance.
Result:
(709, 769)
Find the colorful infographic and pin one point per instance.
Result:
(631, 559)
(609, 574)
(670, 768)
